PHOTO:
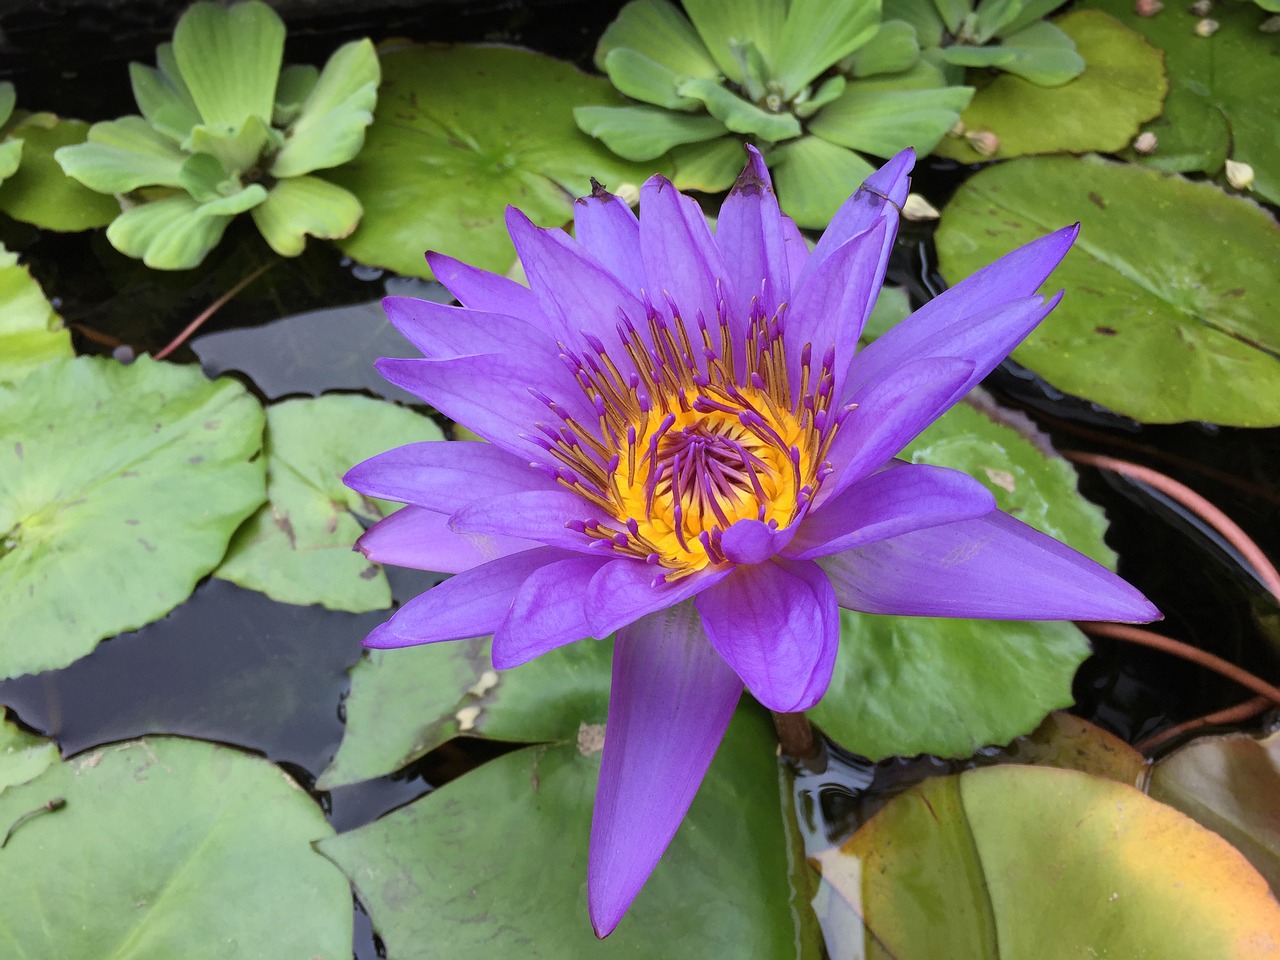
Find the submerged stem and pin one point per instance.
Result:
(796, 735)
(210, 310)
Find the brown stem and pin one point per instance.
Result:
(795, 734)
(1237, 714)
(210, 310)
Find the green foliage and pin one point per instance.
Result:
(814, 83)
(223, 131)
(31, 331)
(1170, 311)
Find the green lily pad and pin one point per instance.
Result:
(908, 685)
(1228, 784)
(405, 703)
(31, 331)
(39, 192)
(297, 548)
(120, 487)
(444, 157)
(1218, 106)
(1122, 86)
(1170, 312)
(170, 848)
(23, 756)
(1017, 861)
(439, 880)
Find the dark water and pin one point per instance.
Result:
(233, 666)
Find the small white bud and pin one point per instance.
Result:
(1147, 8)
(984, 142)
(1207, 27)
(1145, 143)
(958, 130)
(918, 208)
(1239, 175)
(1201, 8)
(1270, 25)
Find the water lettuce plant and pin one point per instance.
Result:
(811, 83)
(10, 147)
(1005, 35)
(687, 450)
(224, 130)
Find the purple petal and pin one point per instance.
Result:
(481, 290)
(472, 604)
(421, 539)
(625, 590)
(547, 611)
(576, 293)
(670, 703)
(541, 515)
(867, 207)
(1015, 276)
(906, 497)
(445, 476)
(751, 541)
(442, 331)
(491, 394)
(795, 248)
(751, 236)
(777, 625)
(831, 307)
(889, 413)
(680, 257)
(609, 230)
(994, 567)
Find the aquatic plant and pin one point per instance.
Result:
(685, 450)
(10, 147)
(812, 83)
(225, 130)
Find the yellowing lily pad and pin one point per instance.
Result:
(298, 547)
(462, 131)
(119, 489)
(1018, 861)
(1170, 311)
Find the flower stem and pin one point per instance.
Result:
(796, 736)
(210, 310)
(1237, 714)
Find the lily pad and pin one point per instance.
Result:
(1018, 861)
(23, 756)
(297, 548)
(170, 848)
(459, 133)
(1217, 106)
(39, 192)
(120, 487)
(1122, 86)
(908, 685)
(1067, 741)
(1171, 289)
(439, 880)
(405, 703)
(1229, 784)
(31, 332)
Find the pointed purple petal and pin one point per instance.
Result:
(445, 476)
(609, 230)
(751, 236)
(777, 625)
(1015, 276)
(421, 539)
(481, 290)
(541, 515)
(670, 703)
(472, 604)
(546, 612)
(680, 257)
(625, 590)
(795, 248)
(441, 331)
(889, 413)
(906, 497)
(994, 567)
(867, 207)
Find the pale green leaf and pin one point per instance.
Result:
(642, 78)
(40, 193)
(31, 331)
(302, 207)
(817, 34)
(23, 757)
(296, 82)
(711, 166)
(885, 114)
(658, 30)
(229, 58)
(237, 146)
(813, 177)
(727, 25)
(893, 49)
(643, 133)
(164, 101)
(175, 233)
(740, 116)
(123, 155)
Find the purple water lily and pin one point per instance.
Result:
(687, 449)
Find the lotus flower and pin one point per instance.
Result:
(687, 449)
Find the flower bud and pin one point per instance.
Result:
(917, 207)
(1147, 8)
(1239, 175)
(1145, 143)
(984, 142)
(1207, 27)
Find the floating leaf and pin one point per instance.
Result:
(1017, 861)
(1065, 740)
(813, 177)
(1171, 289)
(1218, 104)
(121, 155)
(170, 848)
(39, 192)
(31, 332)
(1230, 785)
(302, 207)
(176, 233)
(1123, 85)
(513, 882)
(907, 685)
(445, 156)
(298, 547)
(119, 489)
(229, 58)
(23, 757)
